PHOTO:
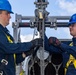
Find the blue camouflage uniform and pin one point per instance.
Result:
(66, 51)
(7, 50)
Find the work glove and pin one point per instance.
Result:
(37, 42)
(54, 41)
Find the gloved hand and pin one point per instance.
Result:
(37, 42)
(54, 41)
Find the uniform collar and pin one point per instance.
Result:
(74, 41)
(4, 29)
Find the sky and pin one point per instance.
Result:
(55, 8)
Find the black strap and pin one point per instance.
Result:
(2, 69)
(4, 62)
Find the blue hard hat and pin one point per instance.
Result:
(5, 5)
(72, 20)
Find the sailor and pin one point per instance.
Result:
(7, 46)
(67, 49)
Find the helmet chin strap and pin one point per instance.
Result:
(74, 36)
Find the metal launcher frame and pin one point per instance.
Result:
(41, 20)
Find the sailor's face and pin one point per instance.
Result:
(72, 29)
(5, 18)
